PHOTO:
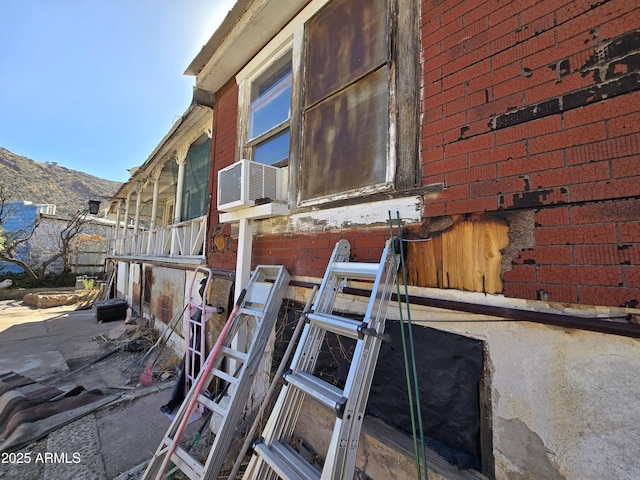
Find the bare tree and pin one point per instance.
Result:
(13, 241)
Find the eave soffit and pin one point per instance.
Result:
(245, 31)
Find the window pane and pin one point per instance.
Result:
(273, 151)
(196, 181)
(345, 40)
(271, 100)
(346, 139)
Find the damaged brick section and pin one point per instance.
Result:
(615, 66)
(534, 198)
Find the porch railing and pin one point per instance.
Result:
(183, 239)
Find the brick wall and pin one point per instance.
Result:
(307, 254)
(535, 106)
(221, 247)
(525, 108)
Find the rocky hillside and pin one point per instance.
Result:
(37, 182)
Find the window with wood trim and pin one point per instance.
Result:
(348, 70)
(196, 179)
(270, 114)
(347, 139)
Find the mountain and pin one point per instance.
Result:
(37, 182)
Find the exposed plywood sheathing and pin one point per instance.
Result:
(466, 256)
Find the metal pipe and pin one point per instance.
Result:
(625, 329)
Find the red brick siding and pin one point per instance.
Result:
(223, 151)
(525, 106)
(308, 254)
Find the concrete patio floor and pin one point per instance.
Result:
(48, 345)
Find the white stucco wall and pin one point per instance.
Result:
(565, 403)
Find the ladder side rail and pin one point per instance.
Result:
(156, 463)
(223, 439)
(284, 415)
(293, 397)
(329, 286)
(290, 400)
(264, 323)
(348, 433)
(375, 314)
(323, 304)
(195, 357)
(276, 429)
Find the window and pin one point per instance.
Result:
(347, 88)
(324, 98)
(196, 179)
(269, 114)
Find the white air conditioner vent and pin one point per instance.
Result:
(242, 184)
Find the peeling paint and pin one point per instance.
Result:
(347, 216)
(615, 66)
(525, 455)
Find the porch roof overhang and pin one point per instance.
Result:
(248, 26)
(191, 125)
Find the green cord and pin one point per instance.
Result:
(404, 351)
(411, 344)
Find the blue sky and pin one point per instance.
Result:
(94, 85)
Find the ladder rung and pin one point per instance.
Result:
(325, 393)
(211, 405)
(286, 462)
(333, 323)
(258, 293)
(235, 354)
(227, 377)
(253, 311)
(191, 467)
(355, 270)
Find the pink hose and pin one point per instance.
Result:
(198, 388)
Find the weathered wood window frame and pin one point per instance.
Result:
(276, 54)
(268, 122)
(402, 172)
(348, 126)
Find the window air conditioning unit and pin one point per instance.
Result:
(247, 183)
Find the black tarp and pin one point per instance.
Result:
(449, 368)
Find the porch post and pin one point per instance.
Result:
(136, 247)
(181, 159)
(243, 261)
(117, 229)
(136, 221)
(155, 176)
(126, 222)
(243, 273)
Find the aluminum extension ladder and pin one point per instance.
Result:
(273, 456)
(225, 394)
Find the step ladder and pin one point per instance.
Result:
(225, 394)
(273, 456)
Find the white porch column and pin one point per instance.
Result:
(243, 273)
(117, 229)
(181, 159)
(126, 216)
(155, 176)
(135, 244)
(243, 261)
(136, 221)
